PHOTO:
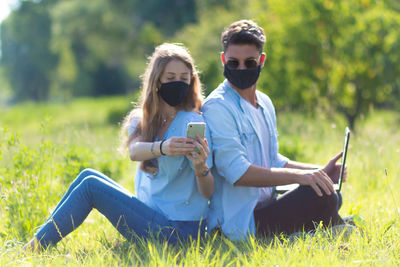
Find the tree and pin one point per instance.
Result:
(95, 47)
(103, 45)
(340, 55)
(366, 71)
(92, 39)
(26, 58)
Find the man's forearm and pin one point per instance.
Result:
(262, 177)
(302, 166)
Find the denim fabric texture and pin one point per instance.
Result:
(131, 217)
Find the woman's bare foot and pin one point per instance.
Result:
(33, 246)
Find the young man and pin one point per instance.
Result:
(247, 163)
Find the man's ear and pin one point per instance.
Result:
(263, 57)
(223, 58)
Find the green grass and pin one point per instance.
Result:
(43, 147)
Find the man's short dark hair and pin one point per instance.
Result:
(243, 32)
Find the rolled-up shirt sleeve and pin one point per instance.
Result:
(280, 161)
(230, 156)
(132, 125)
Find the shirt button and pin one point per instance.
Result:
(187, 202)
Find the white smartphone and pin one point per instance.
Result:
(194, 129)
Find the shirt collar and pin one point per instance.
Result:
(240, 99)
(259, 102)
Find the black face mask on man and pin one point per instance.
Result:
(242, 79)
(173, 92)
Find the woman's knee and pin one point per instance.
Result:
(83, 174)
(88, 186)
(86, 172)
(90, 180)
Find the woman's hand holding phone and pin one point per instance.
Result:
(175, 146)
(199, 159)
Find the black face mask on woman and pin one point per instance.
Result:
(173, 92)
(242, 79)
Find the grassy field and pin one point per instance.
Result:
(43, 147)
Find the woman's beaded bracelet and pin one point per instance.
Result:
(152, 149)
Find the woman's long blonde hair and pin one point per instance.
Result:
(149, 112)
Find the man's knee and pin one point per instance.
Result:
(329, 202)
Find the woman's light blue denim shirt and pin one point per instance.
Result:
(173, 190)
(235, 142)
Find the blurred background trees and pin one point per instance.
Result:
(322, 55)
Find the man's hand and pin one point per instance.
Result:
(333, 168)
(318, 180)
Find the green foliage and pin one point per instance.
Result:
(366, 71)
(340, 55)
(116, 116)
(22, 178)
(47, 169)
(169, 16)
(88, 38)
(26, 58)
(292, 148)
(62, 49)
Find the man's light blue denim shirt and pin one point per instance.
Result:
(173, 190)
(236, 146)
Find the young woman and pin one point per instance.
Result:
(173, 181)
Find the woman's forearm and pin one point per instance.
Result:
(205, 180)
(139, 151)
(205, 184)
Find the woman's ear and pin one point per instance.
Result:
(158, 85)
(263, 57)
(223, 58)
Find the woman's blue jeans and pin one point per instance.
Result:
(131, 217)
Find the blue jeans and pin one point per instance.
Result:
(131, 217)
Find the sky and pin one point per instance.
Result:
(5, 8)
